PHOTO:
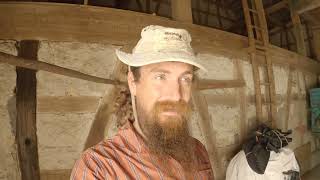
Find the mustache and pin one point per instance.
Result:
(181, 107)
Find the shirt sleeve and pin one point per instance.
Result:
(87, 168)
(205, 168)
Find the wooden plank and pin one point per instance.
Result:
(26, 134)
(298, 31)
(16, 19)
(37, 65)
(248, 22)
(303, 155)
(103, 120)
(215, 84)
(272, 93)
(68, 104)
(242, 99)
(218, 13)
(61, 174)
(303, 6)
(181, 10)
(209, 133)
(276, 7)
(257, 88)
(230, 100)
(288, 99)
(263, 22)
(316, 42)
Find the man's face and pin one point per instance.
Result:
(162, 95)
(161, 83)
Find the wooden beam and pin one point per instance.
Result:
(287, 39)
(215, 84)
(68, 104)
(26, 134)
(288, 99)
(303, 155)
(112, 30)
(276, 7)
(139, 5)
(218, 14)
(298, 31)
(181, 10)
(309, 39)
(148, 6)
(37, 65)
(303, 6)
(208, 132)
(316, 42)
(213, 14)
(242, 100)
(208, 12)
(157, 6)
(277, 29)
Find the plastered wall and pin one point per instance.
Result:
(8, 150)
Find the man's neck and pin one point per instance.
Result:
(137, 127)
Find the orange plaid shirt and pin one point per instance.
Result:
(126, 157)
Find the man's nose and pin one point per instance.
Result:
(174, 91)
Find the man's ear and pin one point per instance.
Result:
(132, 84)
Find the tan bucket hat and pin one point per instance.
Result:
(161, 44)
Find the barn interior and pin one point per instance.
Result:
(59, 76)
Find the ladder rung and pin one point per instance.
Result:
(267, 102)
(257, 27)
(261, 47)
(253, 10)
(265, 83)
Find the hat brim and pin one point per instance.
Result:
(142, 59)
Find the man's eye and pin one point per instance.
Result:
(186, 79)
(160, 76)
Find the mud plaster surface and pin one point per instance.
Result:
(8, 153)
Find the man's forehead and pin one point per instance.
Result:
(178, 67)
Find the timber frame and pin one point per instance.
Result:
(66, 22)
(120, 27)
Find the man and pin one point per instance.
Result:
(156, 145)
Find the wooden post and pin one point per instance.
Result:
(309, 37)
(26, 135)
(148, 6)
(288, 100)
(316, 42)
(297, 28)
(181, 10)
(242, 98)
(218, 14)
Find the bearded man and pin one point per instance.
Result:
(156, 144)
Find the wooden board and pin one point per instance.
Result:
(209, 134)
(66, 22)
(62, 174)
(242, 100)
(26, 135)
(303, 155)
(68, 104)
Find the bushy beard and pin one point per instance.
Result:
(168, 135)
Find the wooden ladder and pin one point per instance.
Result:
(258, 45)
